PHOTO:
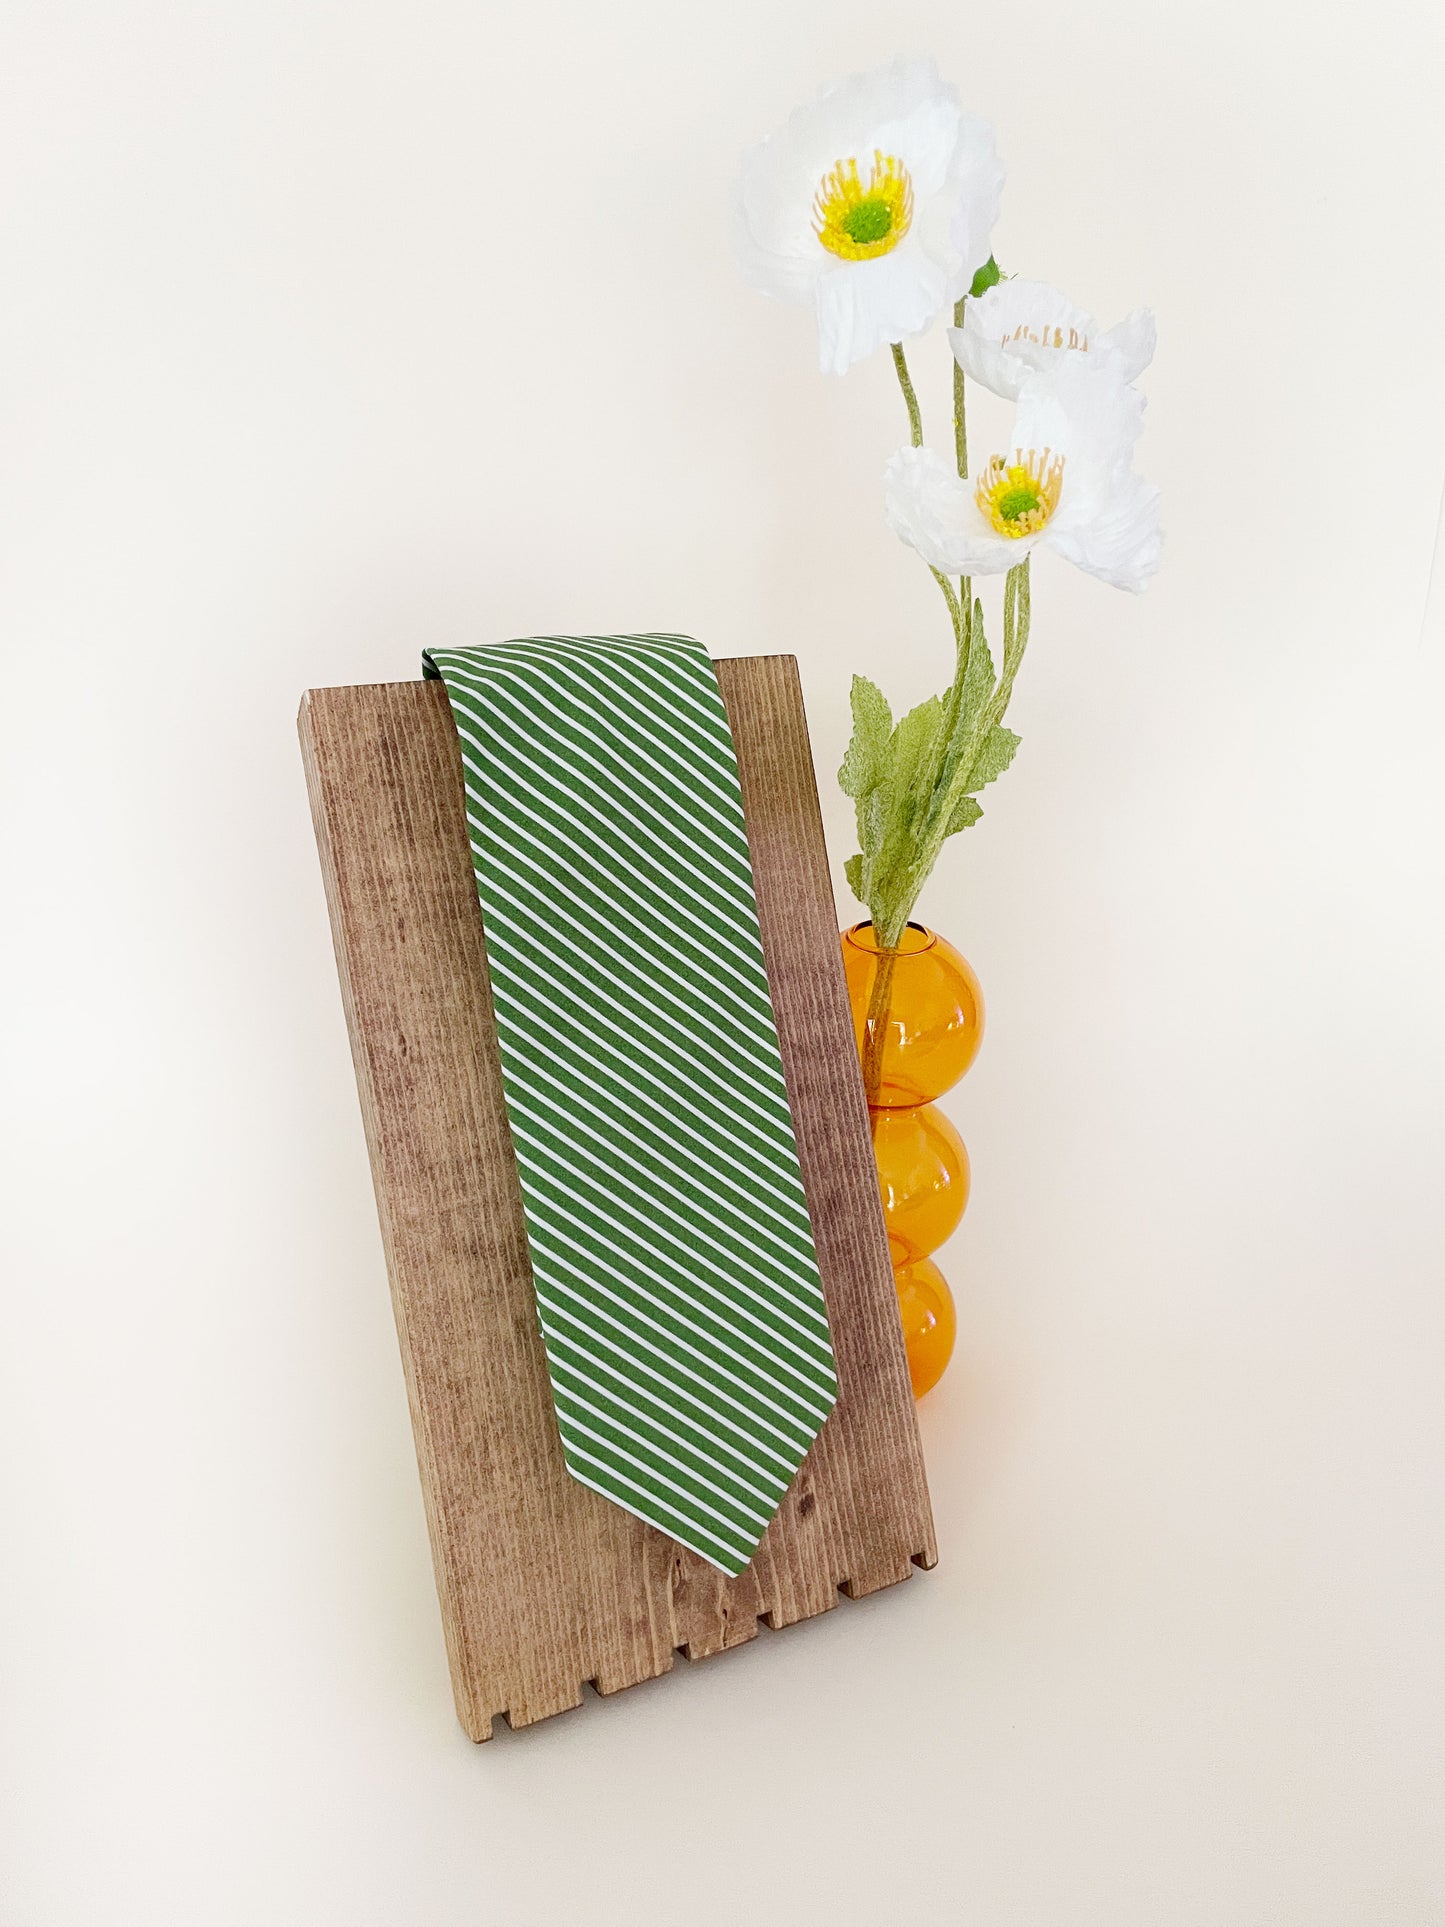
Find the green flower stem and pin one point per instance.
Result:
(875, 1024)
(960, 449)
(915, 428)
(905, 382)
(888, 932)
(953, 696)
(960, 609)
(1016, 633)
(960, 417)
(934, 798)
(963, 618)
(1017, 610)
(961, 606)
(942, 800)
(957, 612)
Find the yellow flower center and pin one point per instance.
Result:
(1018, 497)
(858, 222)
(1050, 338)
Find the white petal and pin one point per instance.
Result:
(863, 304)
(1131, 343)
(1036, 307)
(1021, 327)
(983, 552)
(1090, 417)
(923, 139)
(903, 110)
(777, 246)
(777, 249)
(989, 363)
(846, 116)
(1120, 541)
(977, 173)
(933, 511)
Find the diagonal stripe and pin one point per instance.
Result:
(666, 703)
(599, 1350)
(662, 799)
(619, 1045)
(672, 1255)
(580, 860)
(681, 1155)
(645, 1311)
(569, 754)
(637, 996)
(633, 978)
(590, 1171)
(675, 1291)
(660, 1421)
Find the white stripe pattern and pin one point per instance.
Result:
(677, 1284)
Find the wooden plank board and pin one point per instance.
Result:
(544, 1585)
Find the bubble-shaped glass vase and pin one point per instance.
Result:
(923, 1174)
(917, 1012)
(918, 1023)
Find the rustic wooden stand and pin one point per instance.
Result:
(544, 1585)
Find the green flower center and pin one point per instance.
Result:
(1017, 498)
(868, 221)
(1014, 503)
(858, 220)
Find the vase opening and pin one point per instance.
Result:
(916, 938)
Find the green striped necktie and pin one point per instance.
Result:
(676, 1280)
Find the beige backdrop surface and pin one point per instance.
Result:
(332, 330)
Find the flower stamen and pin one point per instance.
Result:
(858, 222)
(1018, 497)
(1050, 338)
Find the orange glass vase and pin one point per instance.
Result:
(923, 1174)
(931, 1021)
(925, 1305)
(918, 1022)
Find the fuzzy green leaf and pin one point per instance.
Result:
(853, 871)
(978, 679)
(994, 757)
(965, 814)
(866, 761)
(912, 741)
(987, 277)
(873, 815)
(896, 806)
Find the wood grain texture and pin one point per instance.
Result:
(544, 1585)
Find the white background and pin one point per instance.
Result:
(332, 330)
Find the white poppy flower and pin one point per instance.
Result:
(876, 203)
(1069, 486)
(1021, 328)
